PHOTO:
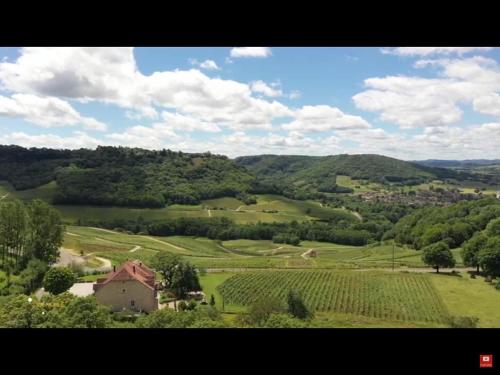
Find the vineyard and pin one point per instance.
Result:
(404, 297)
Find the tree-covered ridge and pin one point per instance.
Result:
(316, 170)
(453, 225)
(125, 176)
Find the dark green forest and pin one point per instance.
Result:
(296, 174)
(135, 177)
(123, 176)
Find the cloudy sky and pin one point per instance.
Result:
(407, 102)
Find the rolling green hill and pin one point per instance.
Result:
(315, 171)
(123, 176)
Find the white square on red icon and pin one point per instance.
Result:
(486, 360)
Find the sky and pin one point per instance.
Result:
(411, 103)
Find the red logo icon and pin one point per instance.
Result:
(486, 360)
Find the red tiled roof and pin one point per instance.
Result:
(130, 270)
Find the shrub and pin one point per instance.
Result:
(463, 321)
(191, 305)
(182, 306)
(58, 280)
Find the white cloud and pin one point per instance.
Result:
(207, 64)
(251, 52)
(322, 118)
(262, 88)
(110, 75)
(488, 104)
(77, 140)
(187, 124)
(149, 137)
(295, 94)
(423, 102)
(45, 111)
(428, 51)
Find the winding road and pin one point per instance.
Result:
(68, 257)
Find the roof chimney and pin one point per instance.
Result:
(114, 268)
(133, 268)
(140, 264)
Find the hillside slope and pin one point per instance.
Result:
(124, 176)
(316, 170)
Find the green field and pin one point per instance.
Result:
(207, 253)
(403, 297)
(464, 296)
(269, 208)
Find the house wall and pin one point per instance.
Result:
(112, 295)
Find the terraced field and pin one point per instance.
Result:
(403, 297)
(269, 208)
(207, 253)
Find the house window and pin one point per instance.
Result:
(132, 303)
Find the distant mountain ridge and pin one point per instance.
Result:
(457, 163)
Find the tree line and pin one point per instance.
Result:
(30, 237)
(222, 228)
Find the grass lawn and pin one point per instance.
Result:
(209, 283)
(464, 296)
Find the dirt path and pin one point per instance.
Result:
(104, 230)
(239, 208)
(68, 257)
(415, 270)
(166, 243)
(418, 270)
(72, 234)
(306, 253)
(106, 264)
(273, 251)
(135, 249)
(231, 252)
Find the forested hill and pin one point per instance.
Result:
(124, 176)
(315, 170)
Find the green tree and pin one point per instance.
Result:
(212, 300)
(261, 310)
(45, 231)
(283, 321)
(180, 276)
(87, 313)
(296, 306)
(438, 255)
(13, 229)
(471, 248)
(31, 277)
(489, 257)
(58, 280)
(166, 264)
(493, 228)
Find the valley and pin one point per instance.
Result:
(347, 233)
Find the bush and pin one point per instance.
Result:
(463, 321)
(497, 286)
(58, 280)
(182, 306)
(191, 305)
